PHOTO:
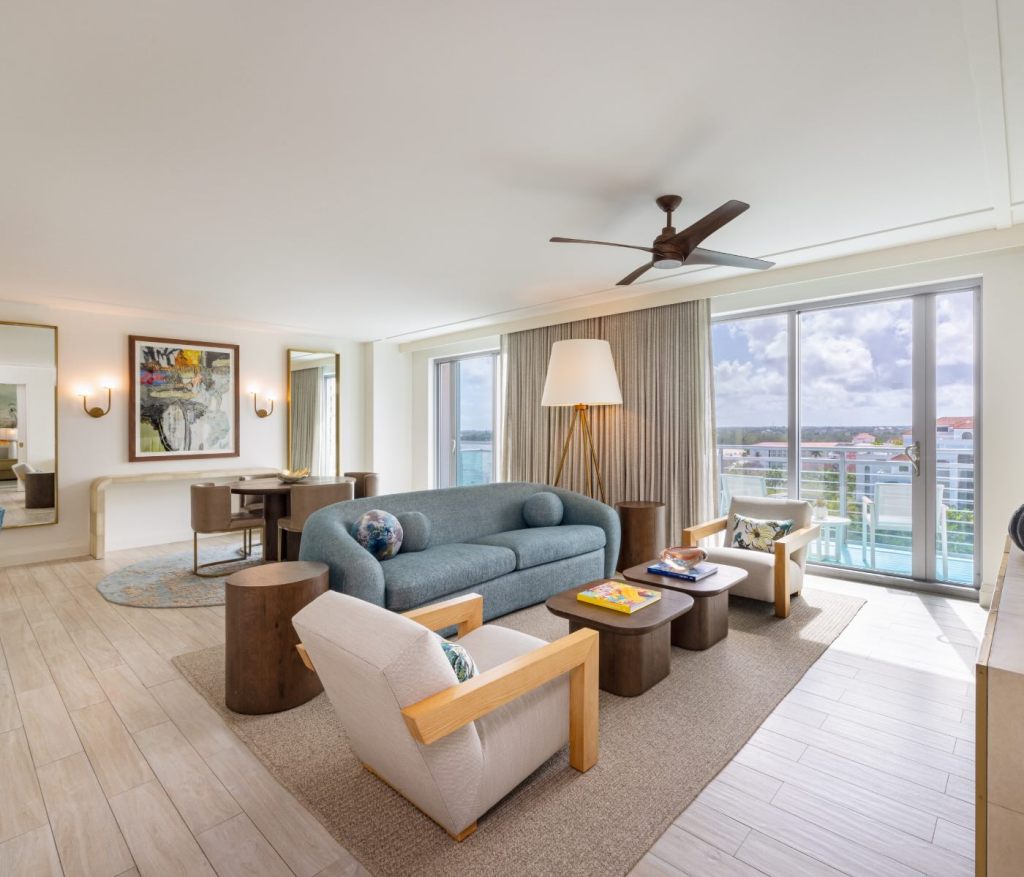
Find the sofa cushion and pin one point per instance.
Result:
(540, 545)
(423, 576)
(543, 509)
(760, 567)
(415, 531)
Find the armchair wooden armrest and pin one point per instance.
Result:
(465, 612)
(784, 549)
(576, 654)
(693, 535)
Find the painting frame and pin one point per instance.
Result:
(136, 453)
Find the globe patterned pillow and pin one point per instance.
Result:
(757, 534)
(379, 533)
(461, 661)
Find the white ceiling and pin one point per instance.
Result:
(377, 169)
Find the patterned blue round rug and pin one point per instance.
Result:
(168, 582)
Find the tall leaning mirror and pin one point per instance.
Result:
(28, 425)
(314, 405)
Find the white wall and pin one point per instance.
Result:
(93, 345)
(391, 399)
(996, 257)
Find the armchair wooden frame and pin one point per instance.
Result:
(784, 549)
(439, 715)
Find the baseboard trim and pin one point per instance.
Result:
(42, 553)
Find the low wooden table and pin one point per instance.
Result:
(635, 649)
(262, 669)
(708, 623)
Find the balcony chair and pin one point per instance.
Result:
(306, 499)
(891, 508)
(772, 577)
(367, 483)
(453, 750)
(211, 513)
(741, 485)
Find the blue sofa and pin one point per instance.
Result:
(478, 542)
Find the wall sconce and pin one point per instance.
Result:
(261, 412)
(95, 411)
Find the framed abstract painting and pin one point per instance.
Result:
(183, 399)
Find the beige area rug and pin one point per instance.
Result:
(657, 752)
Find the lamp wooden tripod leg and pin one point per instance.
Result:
(579, 415)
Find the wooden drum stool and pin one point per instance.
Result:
(643, 532)
(263, 671)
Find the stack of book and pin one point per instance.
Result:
(694, 574)
(619, 596)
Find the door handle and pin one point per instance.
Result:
(914, 452)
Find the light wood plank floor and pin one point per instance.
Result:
(865, 768)
(113, 765)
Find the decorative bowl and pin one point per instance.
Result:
(683, 559)
(292, 476)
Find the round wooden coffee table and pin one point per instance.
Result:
(708, 623)
(635, 649)
(263, 671)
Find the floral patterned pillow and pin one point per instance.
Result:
(757, 534)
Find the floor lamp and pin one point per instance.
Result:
(581, 373)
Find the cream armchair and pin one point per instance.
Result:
(453, 750)
(772, 577)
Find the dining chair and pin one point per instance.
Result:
(741, 485)
(306, 499)
(250, 503)
(211, 513)
(367, 483)
(891, 508)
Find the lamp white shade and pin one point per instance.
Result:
(581, 372)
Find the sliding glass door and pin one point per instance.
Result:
(879, 395)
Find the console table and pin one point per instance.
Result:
(98, 495)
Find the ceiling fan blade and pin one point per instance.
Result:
(629, 278)
(702, 228)
(700, 256)
(599, 243)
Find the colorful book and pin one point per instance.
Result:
(700, 571)
(619, 596)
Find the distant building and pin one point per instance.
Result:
(868, 462)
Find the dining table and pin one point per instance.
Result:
(277, 502)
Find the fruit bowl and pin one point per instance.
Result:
(292, 476)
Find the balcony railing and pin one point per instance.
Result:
(870, 522)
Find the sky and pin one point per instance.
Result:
(855, 365)
(476, 392)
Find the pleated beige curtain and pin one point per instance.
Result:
(658, 445)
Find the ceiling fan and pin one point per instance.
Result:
(672, 249)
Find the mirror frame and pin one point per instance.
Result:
(56, 421)
(337, 403)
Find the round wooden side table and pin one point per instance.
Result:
(643, 532)
(263, 671)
